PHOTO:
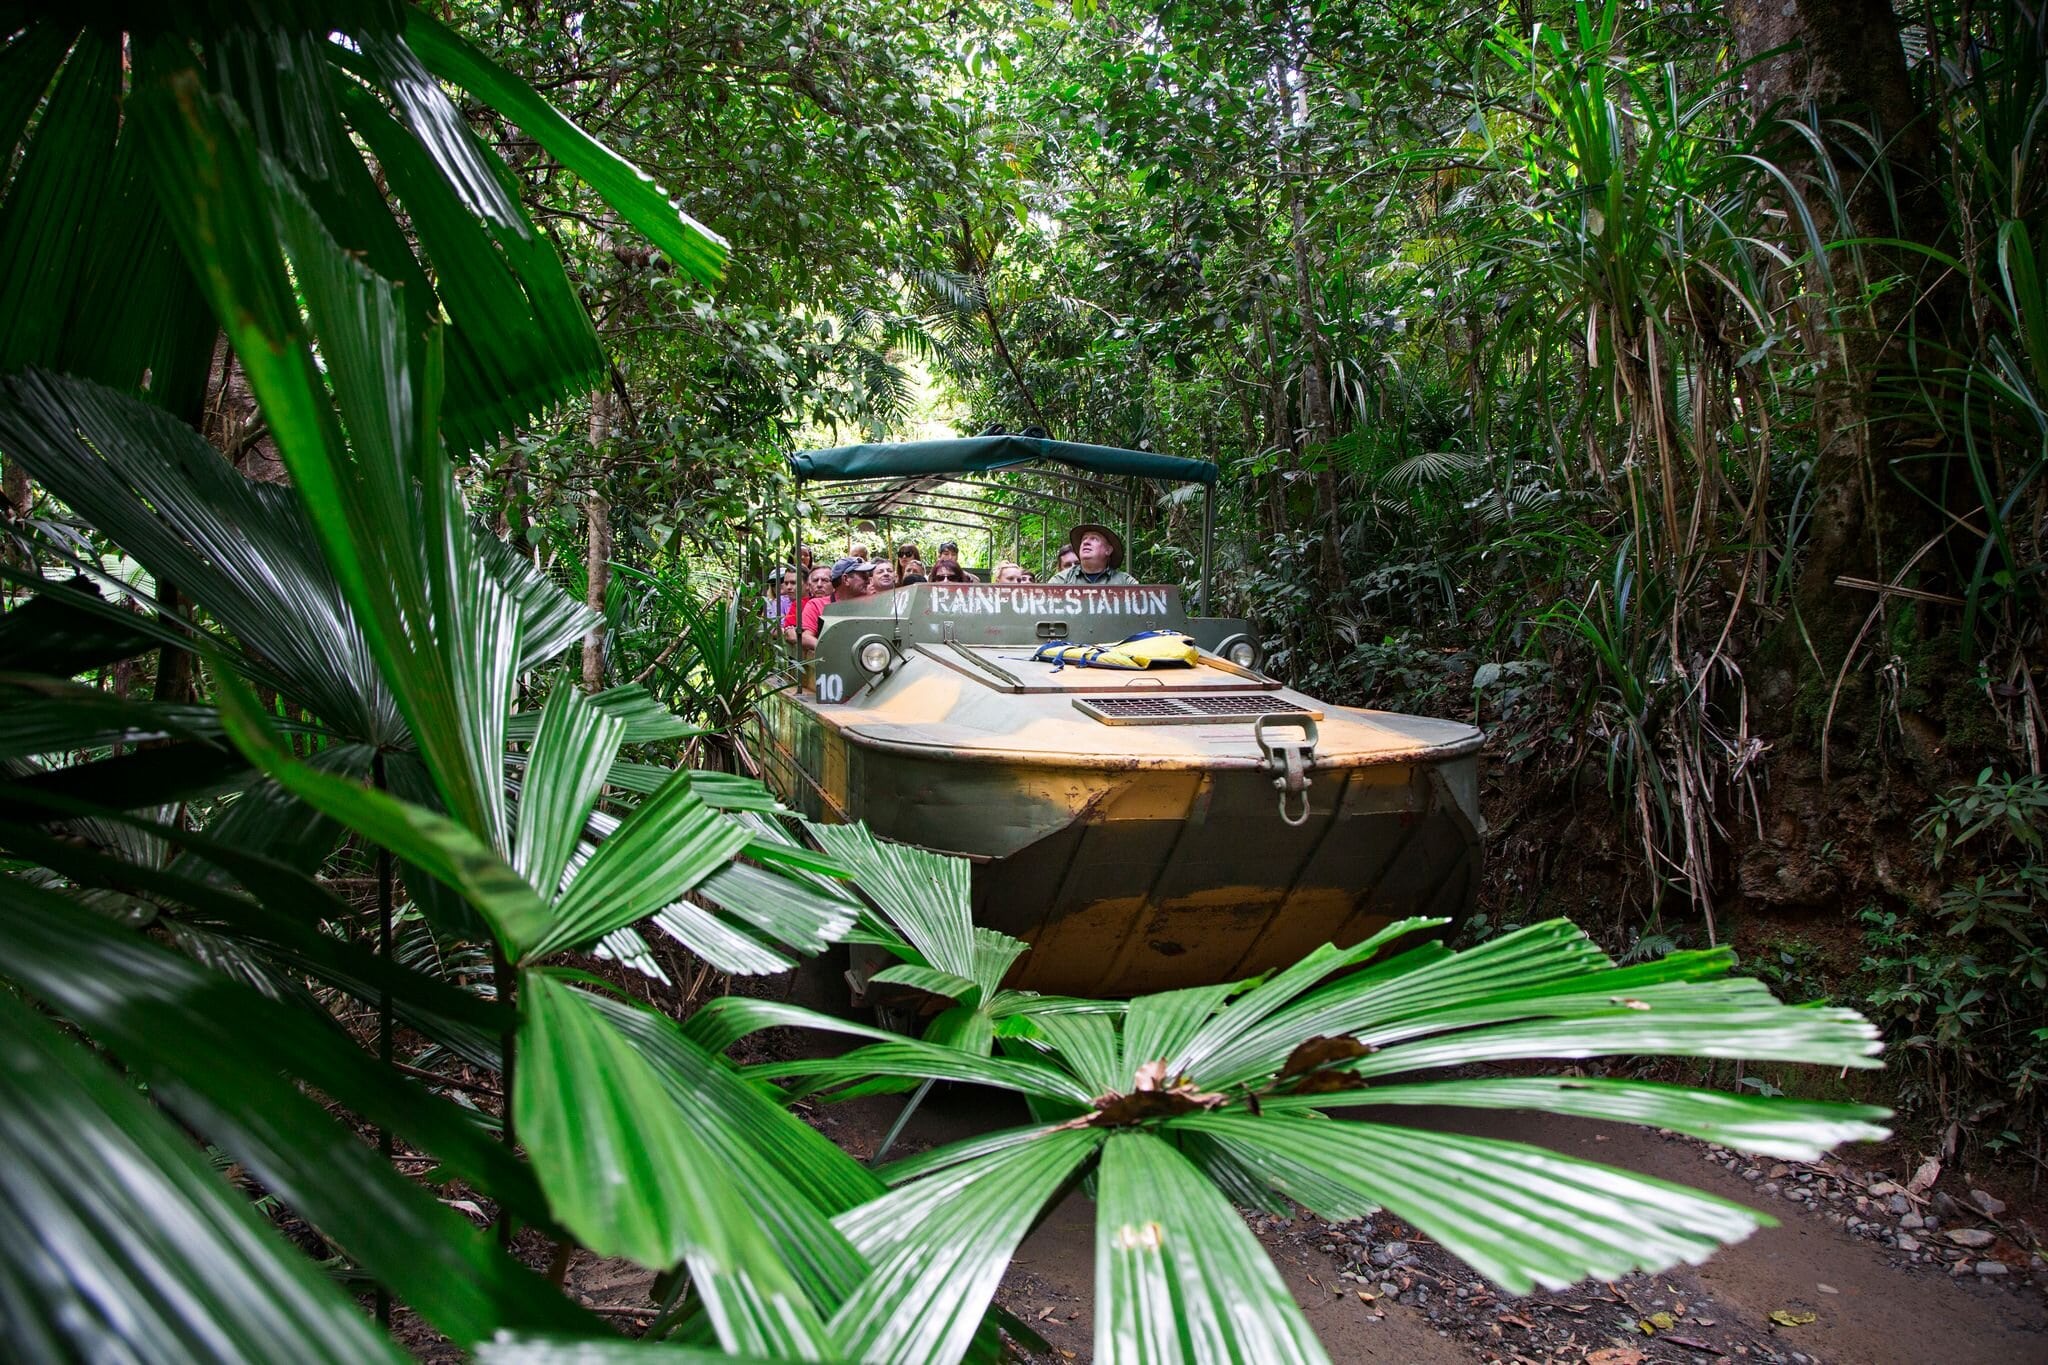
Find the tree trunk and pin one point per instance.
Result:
(1845, 62)
(514, 511)
(1318, 423)
(14, 488)
(976, 268)
(1279, 422)
(15, 493)
(597, 517)
(1845, 56)
(1319, 426)
(173, 665)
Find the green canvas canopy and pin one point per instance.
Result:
(983, 454)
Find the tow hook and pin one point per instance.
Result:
(1289, 759)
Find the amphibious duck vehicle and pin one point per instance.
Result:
(1142, 830)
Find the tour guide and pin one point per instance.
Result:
(1101, 559)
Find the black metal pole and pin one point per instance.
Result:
(1208, 548)
(1130, 525)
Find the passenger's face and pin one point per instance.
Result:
(820, 581)
(789, 585)
(854, 585)
(884, 579)
(1094, 552)
(911, 566)
(1012, 574)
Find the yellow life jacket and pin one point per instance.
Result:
(1146, 649)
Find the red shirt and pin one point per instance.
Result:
(814, 609)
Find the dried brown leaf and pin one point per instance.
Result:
(1319, 1052)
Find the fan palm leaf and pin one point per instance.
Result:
(1180, 1102)
(365, 587)
(215, 1055)
(80, 229)
(114, 1274)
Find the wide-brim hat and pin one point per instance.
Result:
(1116, 542)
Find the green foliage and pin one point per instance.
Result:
(301, 187)
(1608, 347)
(365, 597)
(711, 660)
(1535, 278)
(1795, 968)
(1961, 986)
(212, 1284)
(812, 136)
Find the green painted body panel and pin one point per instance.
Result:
(1132, 857)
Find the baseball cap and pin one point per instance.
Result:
(843, 567)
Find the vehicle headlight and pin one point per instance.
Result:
(874, 656)
(1242, 654)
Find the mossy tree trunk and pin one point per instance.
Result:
(1842, 64)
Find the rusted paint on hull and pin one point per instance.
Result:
(1224, 889)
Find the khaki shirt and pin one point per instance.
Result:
(1108, 578)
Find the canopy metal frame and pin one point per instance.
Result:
(879, 497)
(958, 502)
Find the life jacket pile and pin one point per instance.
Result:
(1146, 649)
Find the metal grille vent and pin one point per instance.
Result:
(1235, 705)
(1186, 710)
(1138, 708)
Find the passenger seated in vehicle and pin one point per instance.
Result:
(783, 589)
(1099, 558)
(949, 571)
(949, 553)
(848, 580)
(817, 589)
(1067, 560)
(1007, 572)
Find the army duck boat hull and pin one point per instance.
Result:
(1143, 831)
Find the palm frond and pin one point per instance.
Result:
(214, 1057)
(1228, 1078)
(244, 549)
(631, 1179)
(1430, 467)
(89, 1170)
